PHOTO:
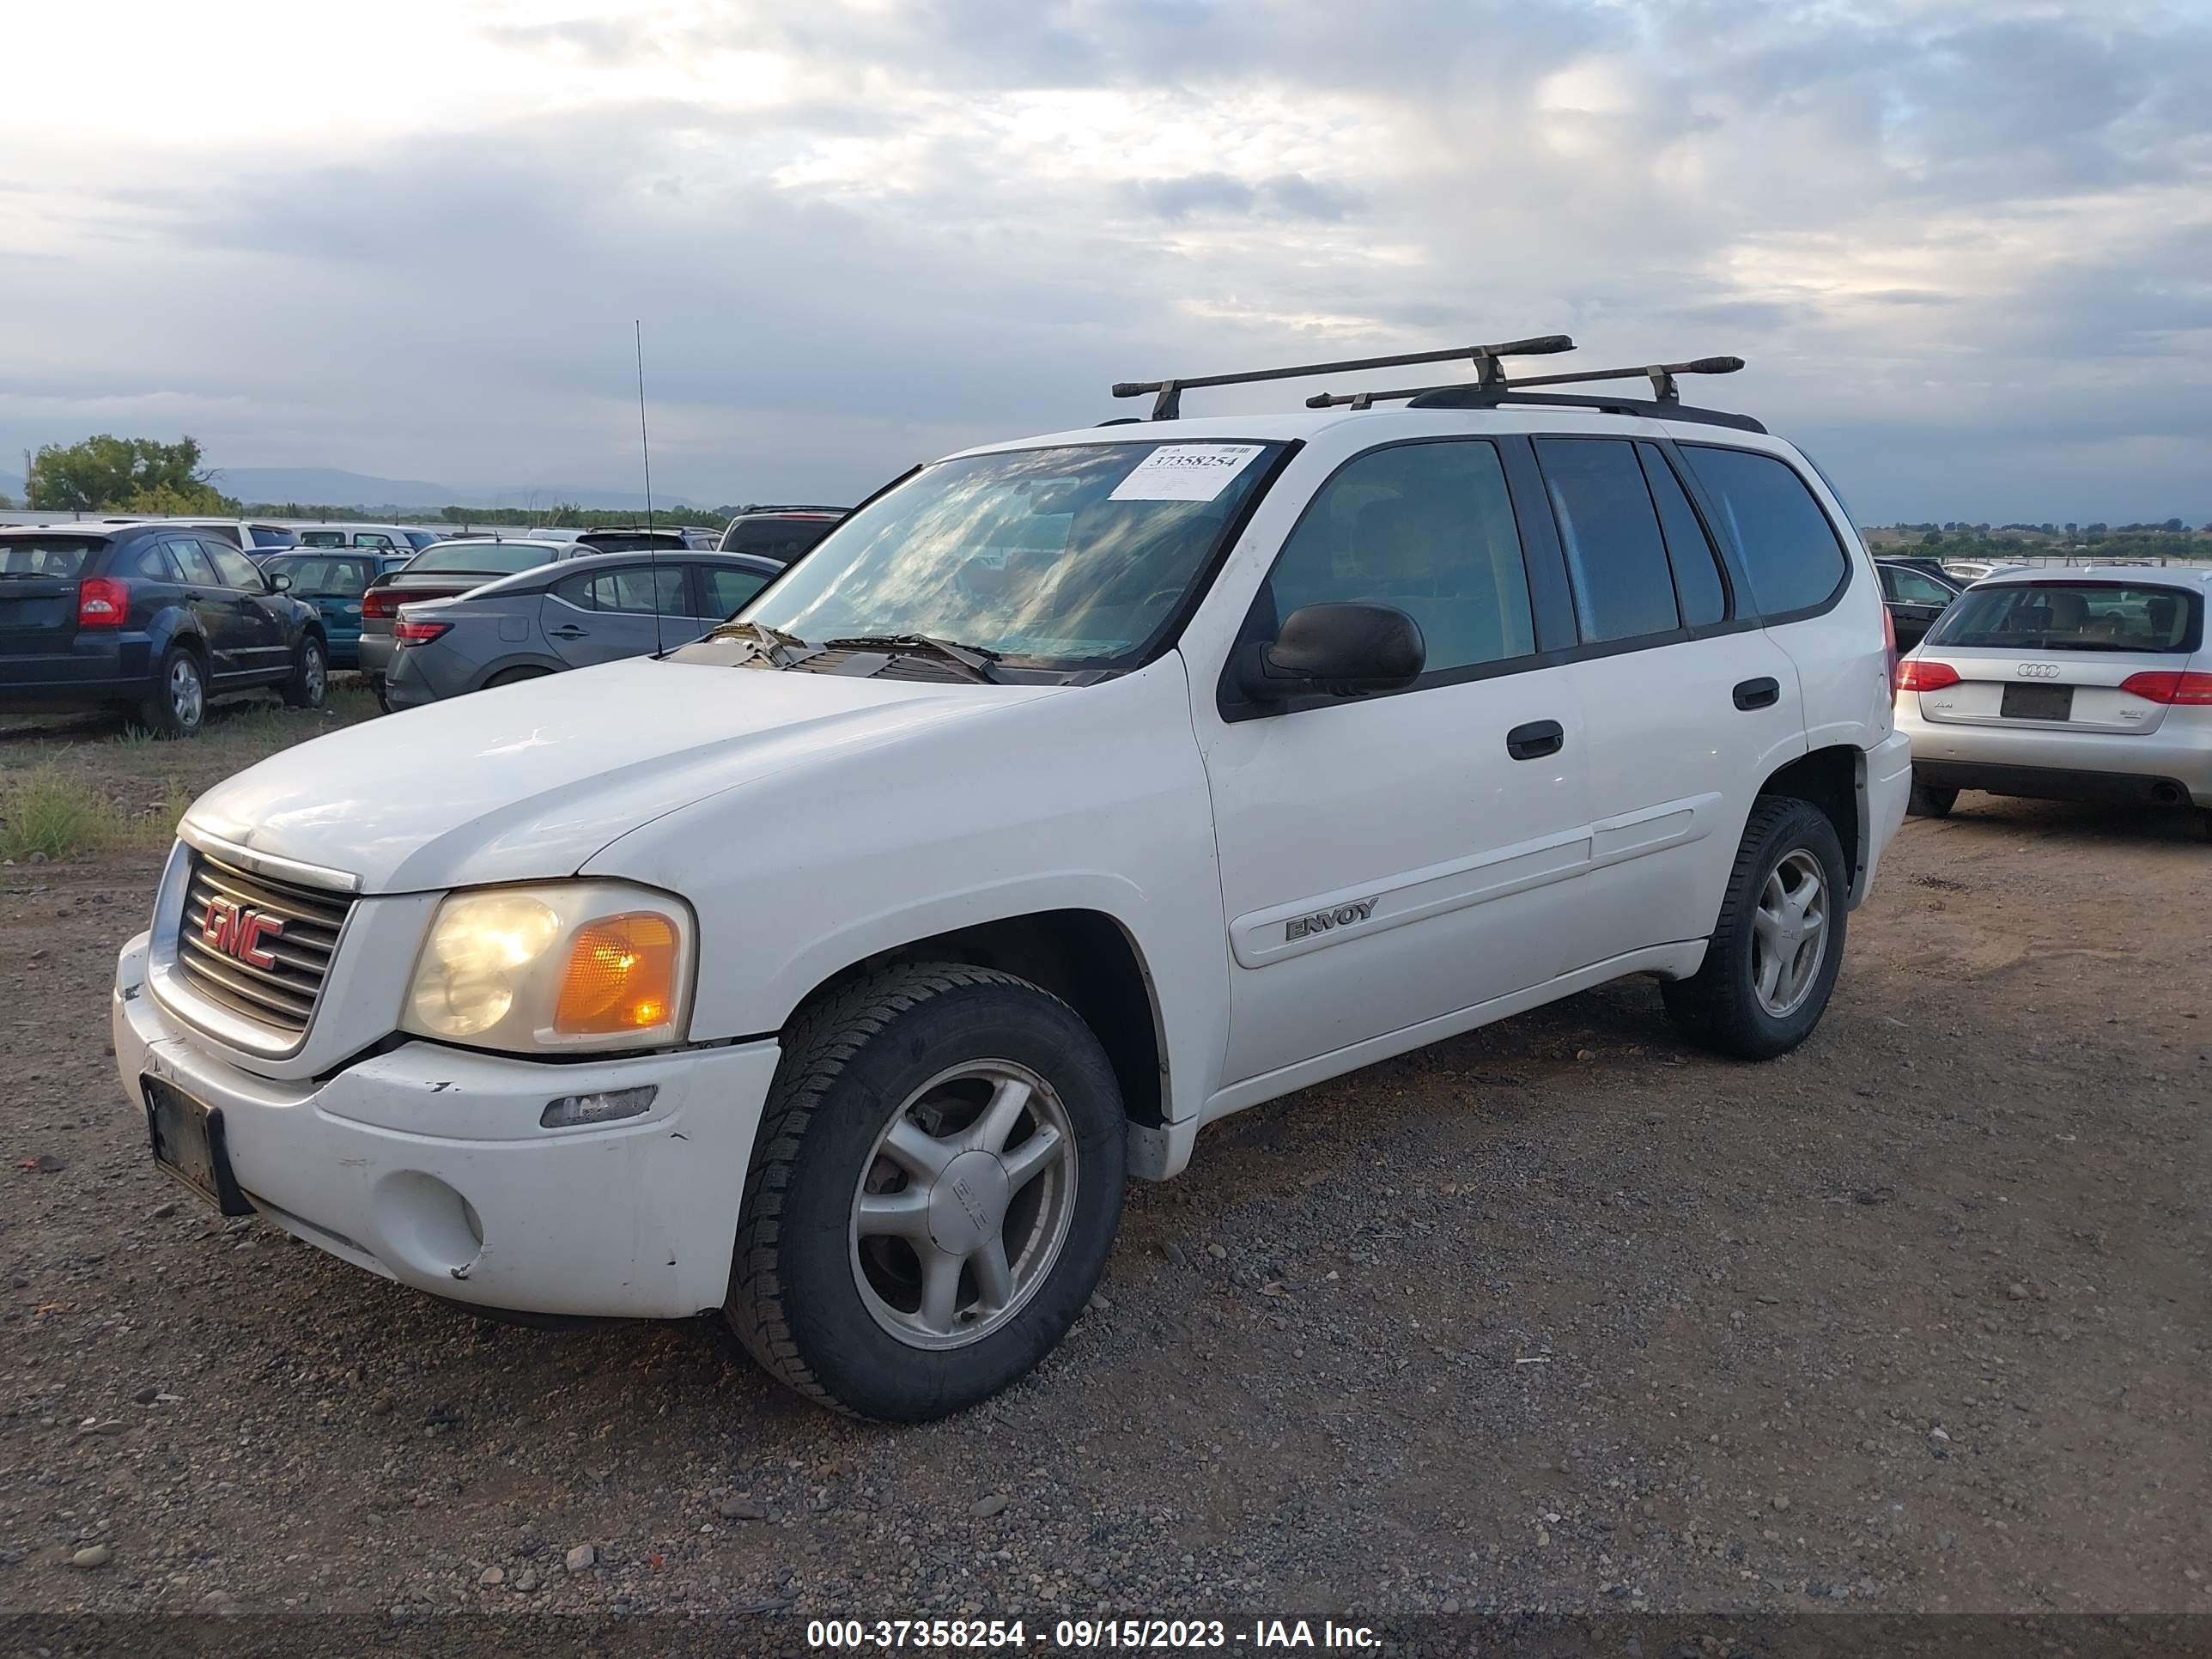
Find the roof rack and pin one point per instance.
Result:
(1167, 403)
(1664, 404)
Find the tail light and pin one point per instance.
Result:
(417, 633)
(1915, 675)
(1889, 645)
(101, 602)
(2167, 686)
(379, 602)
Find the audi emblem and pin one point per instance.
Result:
(2038, 671)
(238, 931)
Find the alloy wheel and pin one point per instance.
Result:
(1790, 934)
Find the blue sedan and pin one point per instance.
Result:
(567, 615)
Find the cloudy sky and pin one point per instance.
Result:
(1965, 244)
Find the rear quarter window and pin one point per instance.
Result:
(1791, 555)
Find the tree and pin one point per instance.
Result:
(7, 501)
(108, 474)
(1933, 538)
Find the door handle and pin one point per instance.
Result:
(1761, 693)
(1534, 740)
(570, 631)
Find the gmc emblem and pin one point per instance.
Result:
(237, 932)
(1322, 920)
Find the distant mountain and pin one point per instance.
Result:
(331, 486)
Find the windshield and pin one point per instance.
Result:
(504, 557)
(1070, 557)
(2076, 615)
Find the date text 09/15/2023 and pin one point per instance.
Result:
(1085, 1635)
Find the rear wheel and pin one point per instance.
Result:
(1779, 941)
(310, 676)
(1926, 801)
(178, 704)
(376, 688)
(936, 1184)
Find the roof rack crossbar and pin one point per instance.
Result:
(1662, 376)
(1167, 403)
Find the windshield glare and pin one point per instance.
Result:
(2072, 616)
(1069, 558)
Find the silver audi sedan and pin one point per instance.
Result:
(2088, 683)
(597, 609)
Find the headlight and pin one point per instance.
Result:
(571, 965)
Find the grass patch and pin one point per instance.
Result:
(47, 813)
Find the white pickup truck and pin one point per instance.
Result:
(836, 970)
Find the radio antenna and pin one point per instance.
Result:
(645, 452)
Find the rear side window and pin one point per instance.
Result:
(644, 590)
(1617, 563)
(576, 591)
(269, 535)
(1699, 588)
(58, 558)
(1790, 551)
(191, 558)
(1427, 528)
(1911, 588)
(152, 562)
(419, 539)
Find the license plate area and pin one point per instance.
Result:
(2037, 702)
(188, 1146)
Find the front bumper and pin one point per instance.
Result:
(426, 1164)
(2102, 765)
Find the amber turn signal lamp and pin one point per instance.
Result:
(621, 976)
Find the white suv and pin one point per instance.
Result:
(834, 970)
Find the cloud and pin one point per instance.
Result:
(859, 235)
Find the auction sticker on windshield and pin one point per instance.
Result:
(1185, 472)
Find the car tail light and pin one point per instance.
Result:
(101, 602)
(1889, 645)
(379, 602)
(2167, 686)
(417, 633)
(1915, 675)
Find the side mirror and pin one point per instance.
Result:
(1336, 650)
(280, 583)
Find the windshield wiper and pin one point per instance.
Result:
(782, 650)
(975, 659)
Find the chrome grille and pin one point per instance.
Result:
(282, 996)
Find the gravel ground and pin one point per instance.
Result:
(1558, 1316)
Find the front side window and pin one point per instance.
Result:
(1790, 551)
(233, 566)
(723, 591)
(2074, 615)
(1428, 529)
(371, 538)
(1069, 558)
(1617, 562)
(1911, 588)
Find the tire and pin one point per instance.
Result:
(1720, 1007)
(822, 1305)
(377, 690)
(516, 676)
(310, 676)
(177, 706)
(1926, 801)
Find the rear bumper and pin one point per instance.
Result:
(2052, 763)
(428, 1166)
(409, 682)
(372, 654)
(109, 669)
(2048, 783)
(1888, 785)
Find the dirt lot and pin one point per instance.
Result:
(1559, 1314)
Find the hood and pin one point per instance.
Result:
(529, 781)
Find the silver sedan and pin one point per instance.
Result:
(568, 614)
(2091, 683)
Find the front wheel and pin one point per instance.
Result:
(178, 705)
(1779, 944)
(310, 676)
(936, 1184)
